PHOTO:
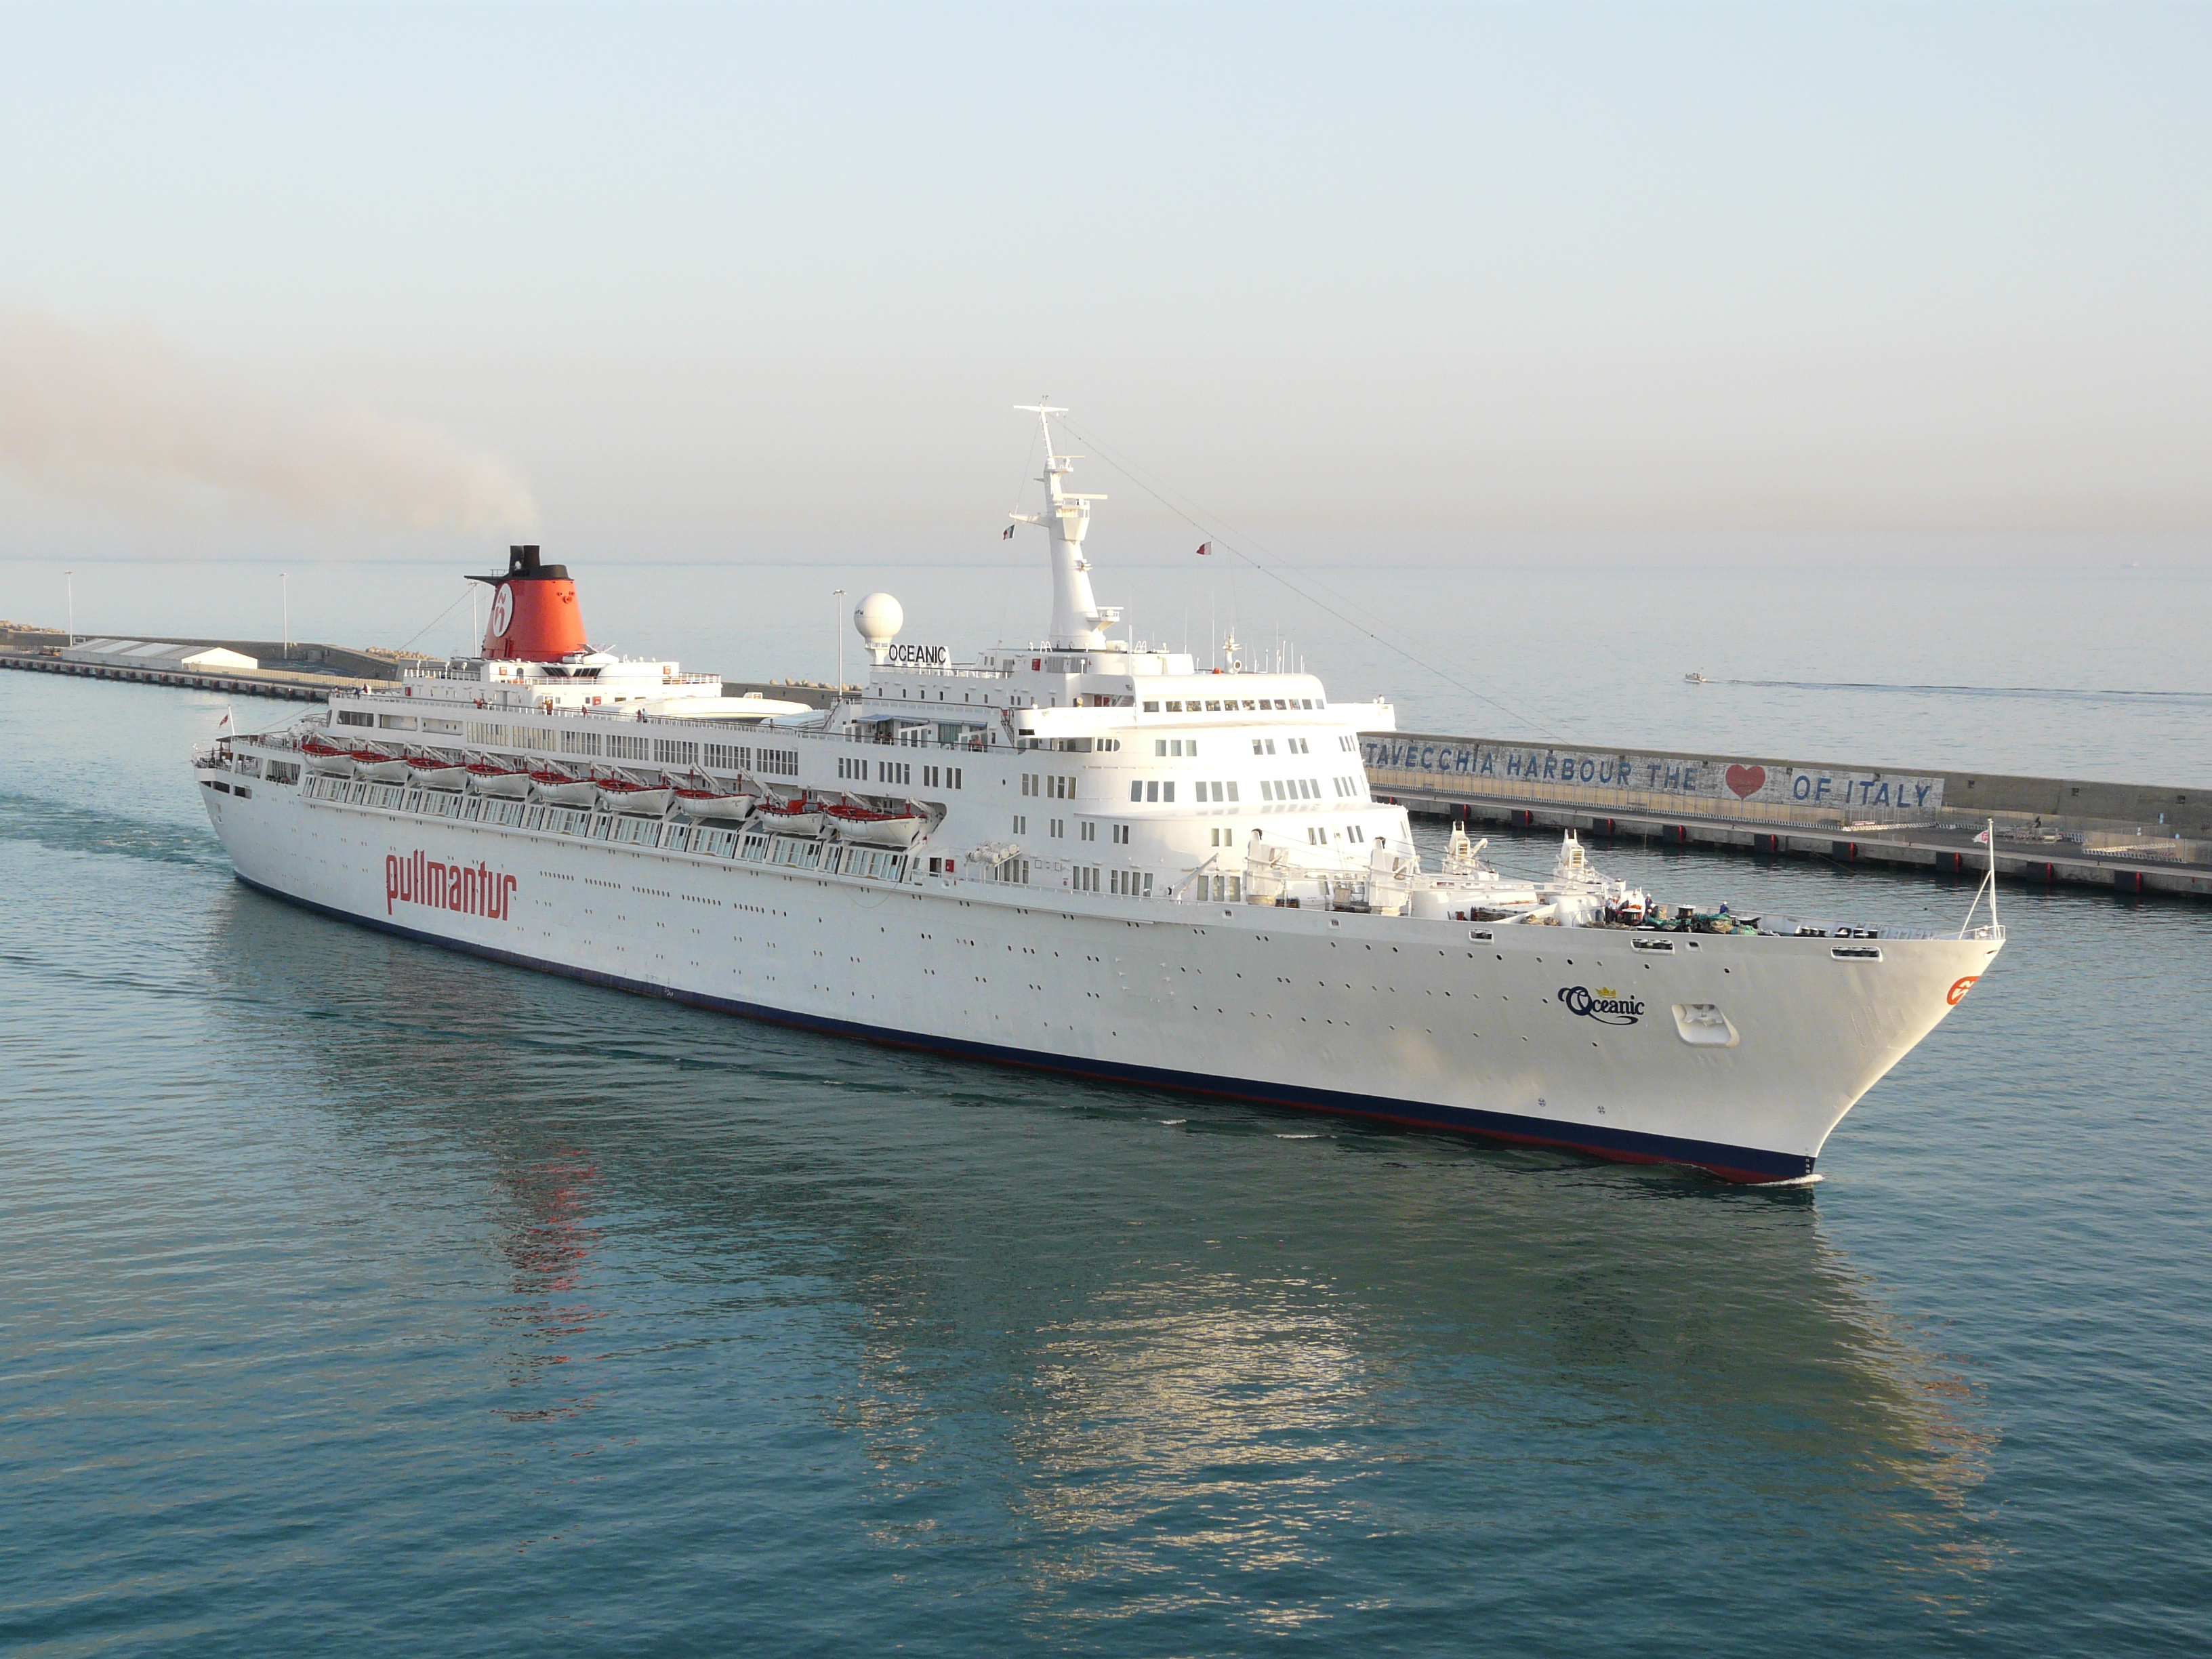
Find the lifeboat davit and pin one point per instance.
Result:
(792, 817)
(380, 768)
(870, 828)
(627, 795)
(487, 779)
(432, 772)
(327, 758)
(564, 789)
(712, 803)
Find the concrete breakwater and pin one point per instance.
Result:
(253, 683)
(2134, 837)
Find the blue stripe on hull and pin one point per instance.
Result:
(1743, 1163)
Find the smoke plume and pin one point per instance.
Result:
(119, 415)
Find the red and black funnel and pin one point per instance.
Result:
(534, 614)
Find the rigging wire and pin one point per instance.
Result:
(1227, 540)
(467, 588)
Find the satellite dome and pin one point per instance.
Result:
(878, 617)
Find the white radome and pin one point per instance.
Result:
(878, 617)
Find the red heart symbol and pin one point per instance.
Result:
(1746, 779)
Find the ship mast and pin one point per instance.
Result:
(1078, 621)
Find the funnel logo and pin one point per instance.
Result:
(1605, 1004)
(502, 609)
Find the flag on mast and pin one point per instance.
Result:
(1007, 534)
(1205, 548)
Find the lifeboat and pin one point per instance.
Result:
(327, 758)
(487, 779)
(432, 772)
(378, 767)
(627, 795)
(792, 817)
(712, 803)
(871, 828)
(560, 788)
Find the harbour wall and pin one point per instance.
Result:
(256, 682)
(1765, 789)
(2049, 830)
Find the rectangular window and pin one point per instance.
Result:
(1174, 708)
(669, 751)
(1151, 709)
(356, 717)
(1167, 791)
(1151, 791)
(1136, 790)
(1159, 745)
(784, 762)
(1021, 825)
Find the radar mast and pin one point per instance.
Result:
(1078, 621)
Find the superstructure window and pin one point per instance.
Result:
(1121, 836)
(1021, 825)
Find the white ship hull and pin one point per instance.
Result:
(1564, 1037)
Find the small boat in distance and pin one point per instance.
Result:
(1696, 677)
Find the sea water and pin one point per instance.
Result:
(364, 1298)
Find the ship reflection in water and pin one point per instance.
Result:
(1084, 1356)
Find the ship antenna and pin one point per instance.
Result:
(1077, 619)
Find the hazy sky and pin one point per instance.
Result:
(757, 282)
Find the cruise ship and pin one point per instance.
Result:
(1083, 853)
